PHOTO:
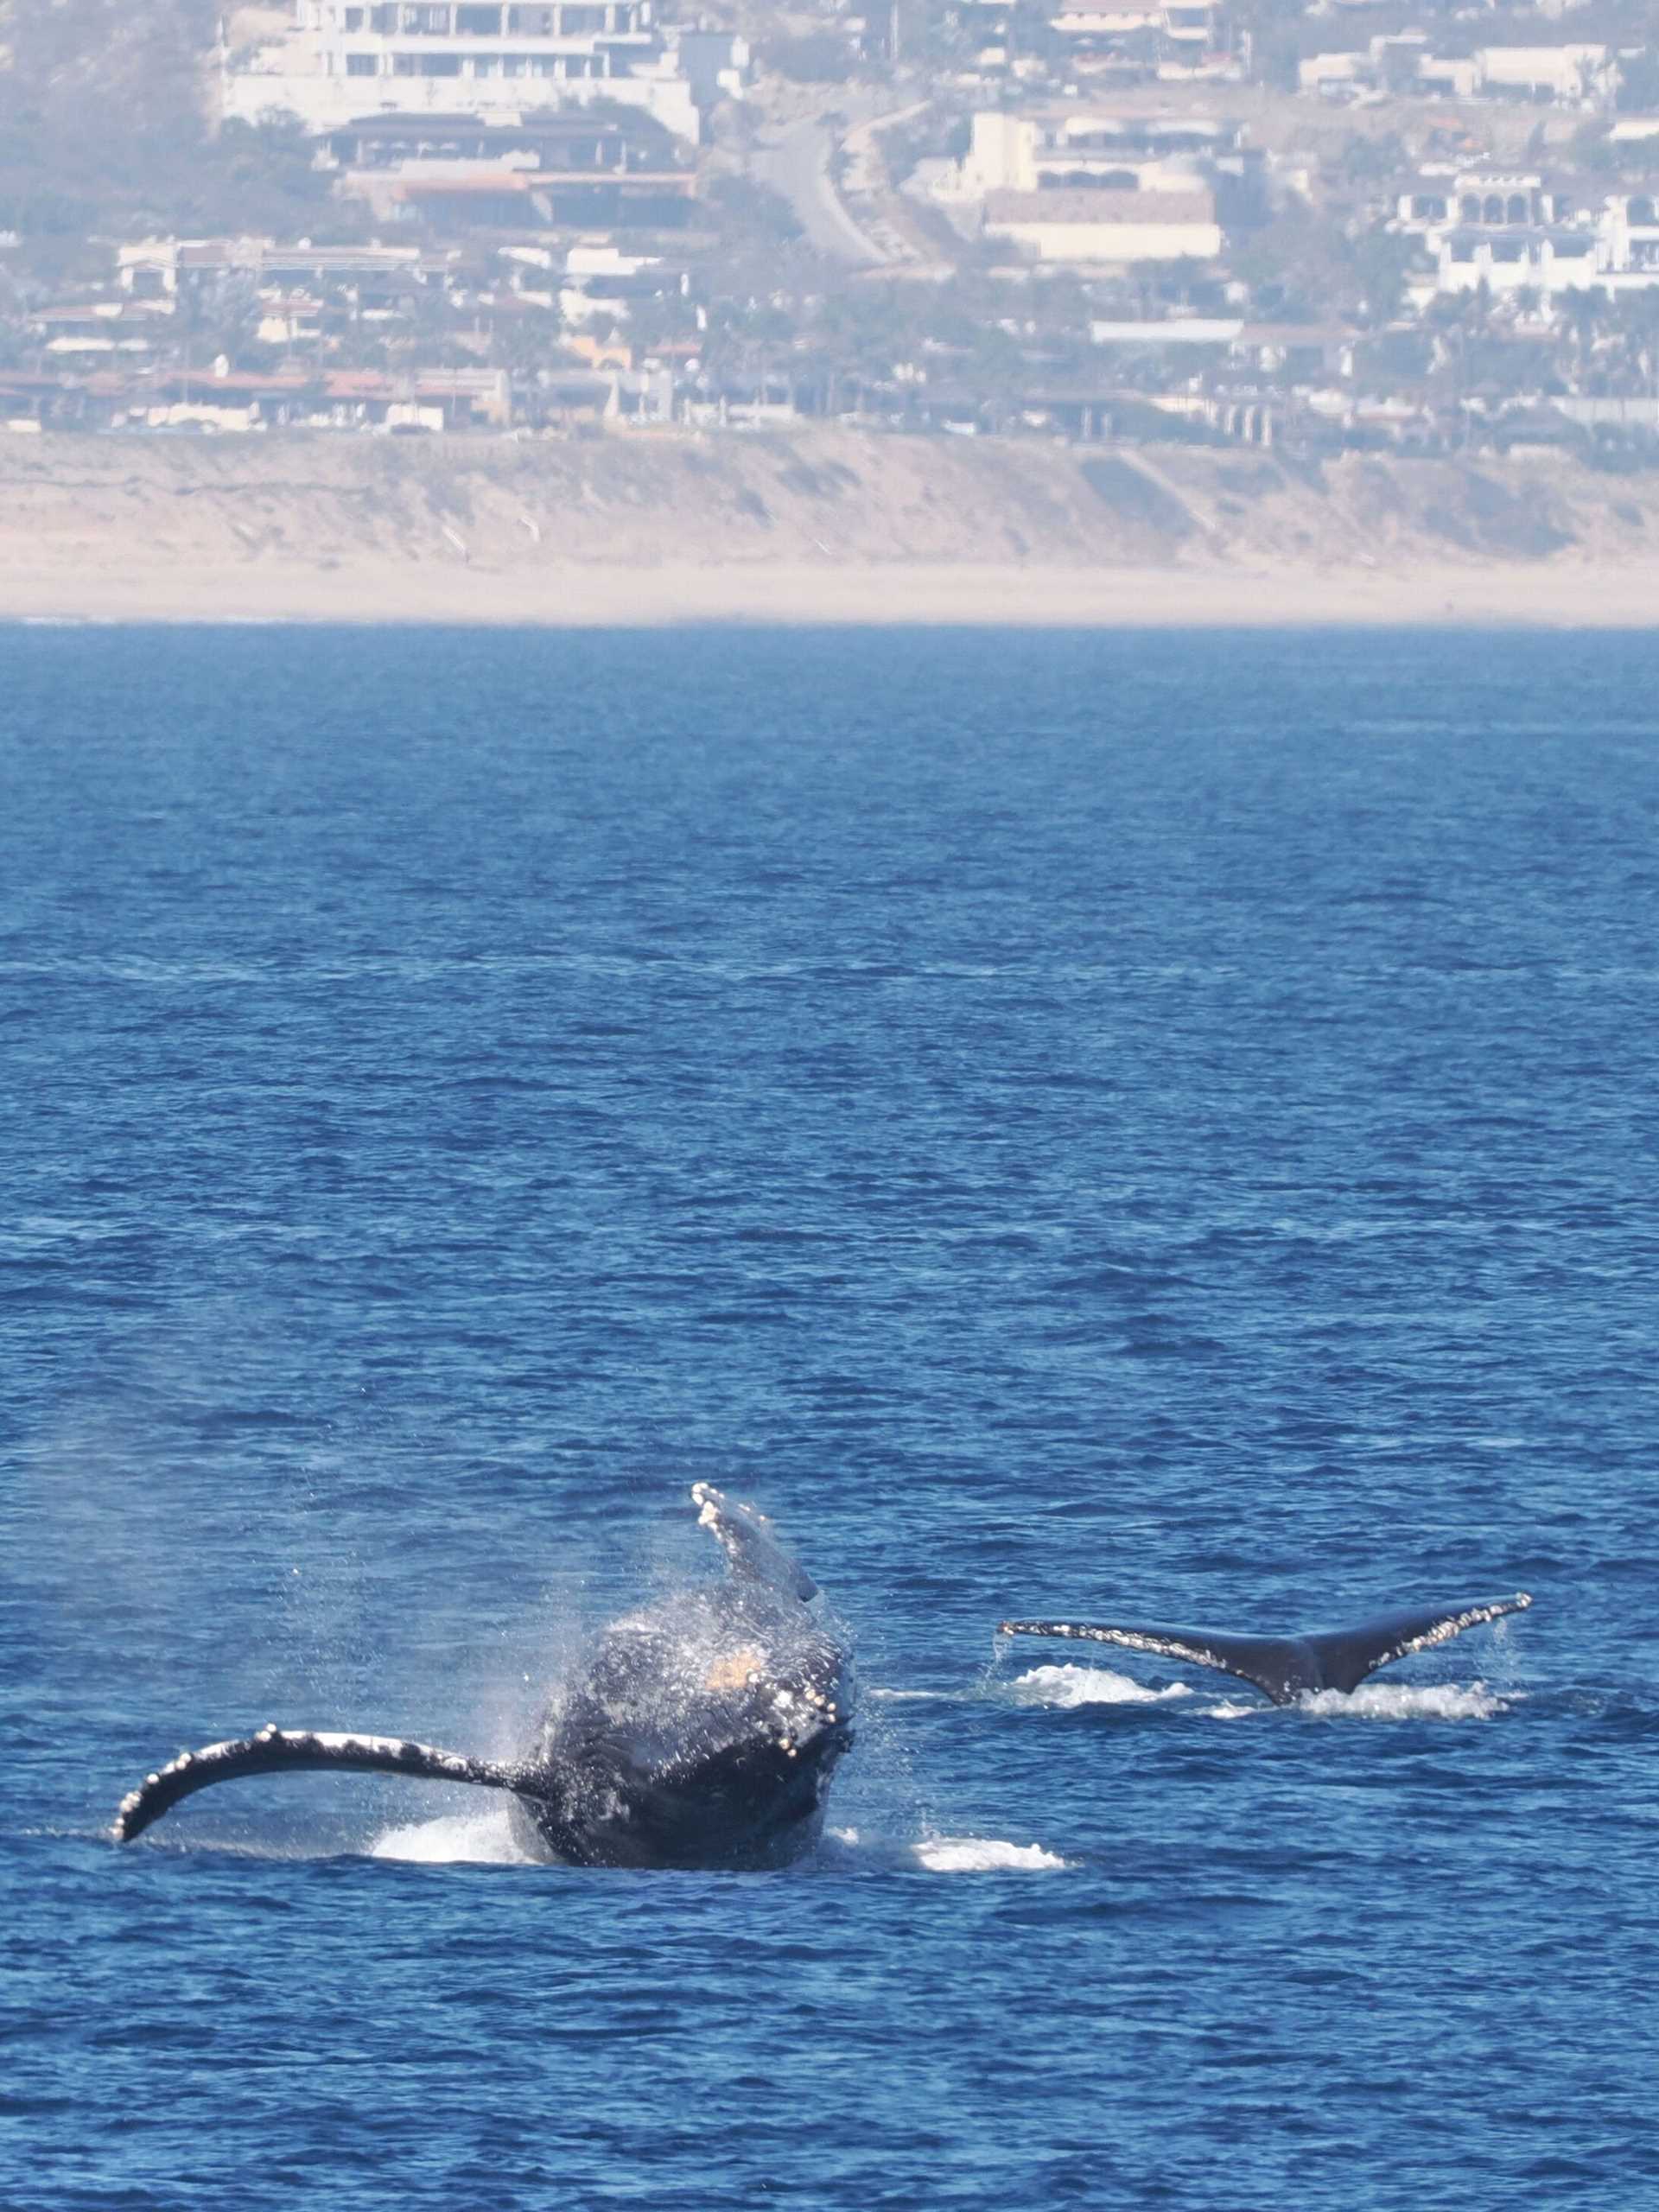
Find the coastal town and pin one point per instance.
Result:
(1352, 226)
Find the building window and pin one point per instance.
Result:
(351, 19)
(439, 65)
(362, 65)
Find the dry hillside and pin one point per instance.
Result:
(72, 504)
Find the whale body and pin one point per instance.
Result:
(1291, 1666)
(702, 1731)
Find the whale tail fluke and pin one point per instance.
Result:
(1347, 1655)
(1282, 1666)
(282, 1751)
(1285, 1667)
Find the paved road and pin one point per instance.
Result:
(797, 164)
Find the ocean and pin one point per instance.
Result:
(1152, 1128)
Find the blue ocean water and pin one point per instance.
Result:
(1152, 1125)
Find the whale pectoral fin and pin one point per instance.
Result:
(278, 1750)
(1347, 1655)
(747, 1540)
(1282, 1666)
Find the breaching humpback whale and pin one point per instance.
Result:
(1290, 1666)
(703, 1731)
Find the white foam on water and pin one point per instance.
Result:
(972, 1854)
(1406, 1702)
(481, 1838)
(1070, 1687)
(942, 1854)
(485, 1839)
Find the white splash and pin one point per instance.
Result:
(1070, 1687)
(481, 1838)
(1406, 1702)
(941, 1854)
(971, 1854)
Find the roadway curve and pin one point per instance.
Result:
(797, 164)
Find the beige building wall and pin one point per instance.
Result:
(1002, 155)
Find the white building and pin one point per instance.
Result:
(1629, 232)
(344, 60)
(1515, 258)
(601, 279)
(1071, 185)
(1577, 75)
(1512, 233)
(1110, 30)
(1107, 229)
(1480, 198)
(1070, 148)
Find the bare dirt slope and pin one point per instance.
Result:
(81, 508)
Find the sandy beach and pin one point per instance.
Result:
(612, 596)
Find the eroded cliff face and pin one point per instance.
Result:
(813, 496)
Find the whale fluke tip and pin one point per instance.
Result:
(1288, 1667)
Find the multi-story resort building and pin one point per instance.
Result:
(344, 60)
(1514, 234)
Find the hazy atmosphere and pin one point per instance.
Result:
(1132, 312)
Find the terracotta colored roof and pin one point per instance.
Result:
(1081, 206)
(201, 385)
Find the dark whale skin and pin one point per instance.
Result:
(701, 1732)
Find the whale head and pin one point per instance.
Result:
(702, 1732)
